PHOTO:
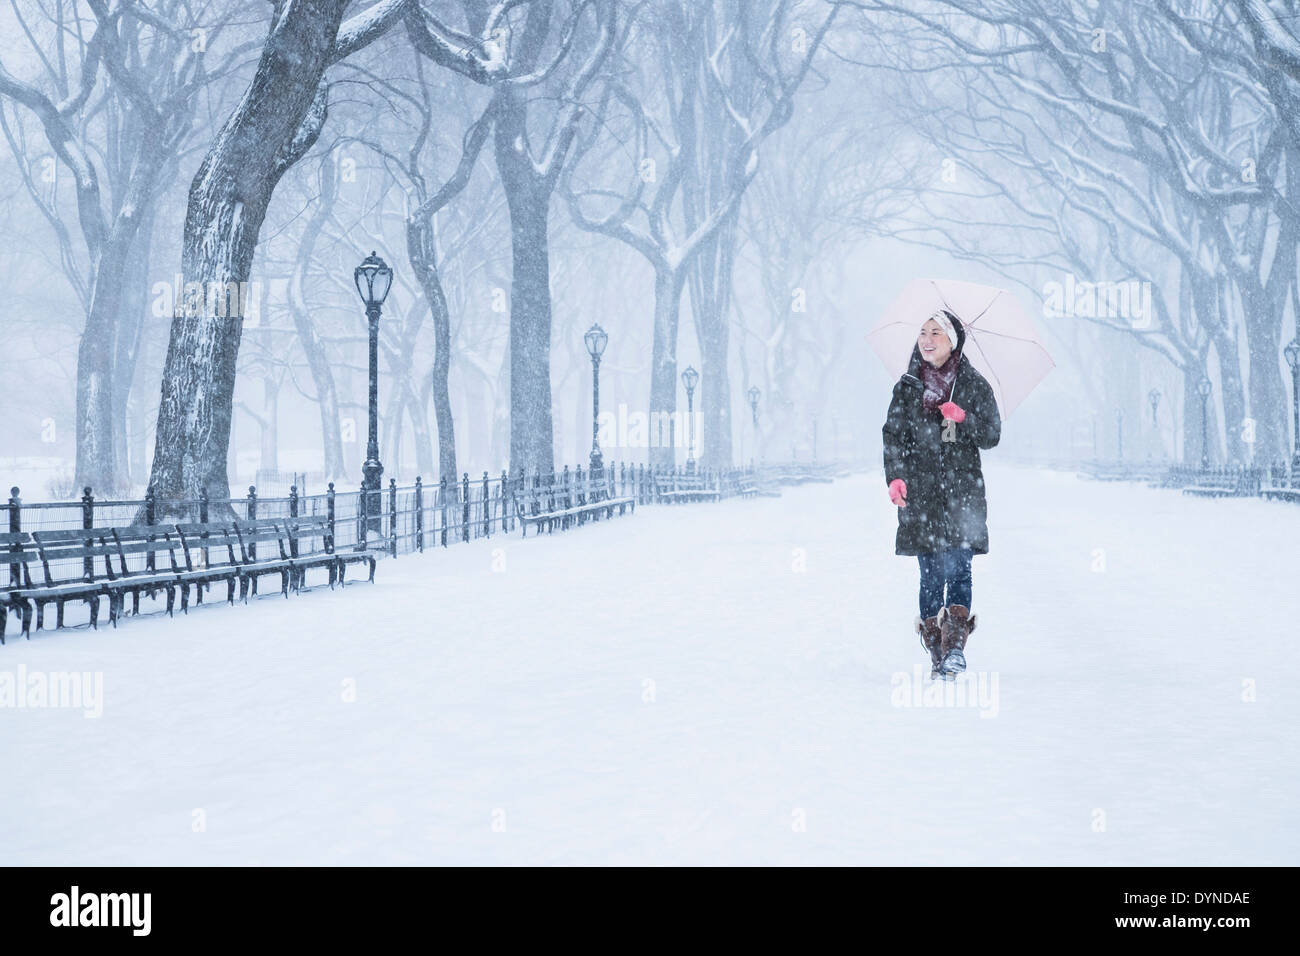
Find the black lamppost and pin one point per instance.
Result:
(1204, 387)
(1292, 353)
(595, 339)
(373, 279)
(690, 378)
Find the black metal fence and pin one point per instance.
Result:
(404, 519)
(1277, 481)
(395, 520)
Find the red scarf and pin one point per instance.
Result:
(938, 382)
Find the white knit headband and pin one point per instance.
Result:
(946, 323)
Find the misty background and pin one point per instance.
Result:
(739, 187)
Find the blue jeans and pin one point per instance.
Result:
(950, 568)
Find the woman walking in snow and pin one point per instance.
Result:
(942, 413)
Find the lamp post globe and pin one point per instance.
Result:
(596, 339)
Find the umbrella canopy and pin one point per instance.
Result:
(1001, 341)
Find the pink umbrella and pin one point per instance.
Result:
(1001, 341)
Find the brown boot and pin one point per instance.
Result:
(931, 640)
(956, 624)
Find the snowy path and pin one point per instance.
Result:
(718, 683)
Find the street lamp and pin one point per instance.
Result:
(690, 378)
(596, 340)
(1292, 353)
(1204, 387)
(373, 279)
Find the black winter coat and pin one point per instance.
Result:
(946, 507)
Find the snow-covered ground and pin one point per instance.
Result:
(725, 683)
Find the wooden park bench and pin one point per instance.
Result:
(25, 594)
(65, 572)
(66, 563)
(211, 555)
(673, 488)
(253, 566)
(1281, 494)
(740, 485)
(56, 567)
(559, 504)
(1225, 483)
(311, 545)
(1211, 491)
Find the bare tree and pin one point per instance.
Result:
(274, 125)
(699, 112)
(124, 135)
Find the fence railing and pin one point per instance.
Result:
(1276, 481)
(395, 519)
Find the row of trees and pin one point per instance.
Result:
(554, 87)
(1151, 140)
(737, 152)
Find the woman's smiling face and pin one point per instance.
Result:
(933, 343)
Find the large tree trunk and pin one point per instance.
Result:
(130, 325)
(97, 398)
(327, 397)
(421, 252)
(663, 367)
(1233, 397)
(528, 197)
(498, 400)
(277, 120)
(711, 298)
(1211, 311)
(270, 457)
(322, 375)
(1268, 398)
(419, 428)
(94, 409)
(390, 429)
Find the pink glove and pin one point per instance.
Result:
(953, 411)
(898, 492)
